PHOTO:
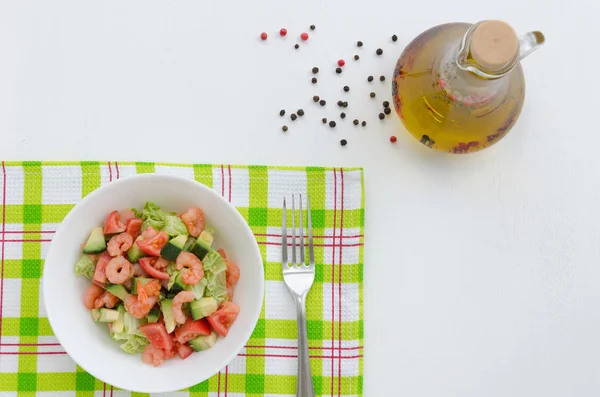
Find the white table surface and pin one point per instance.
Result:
(482, 273)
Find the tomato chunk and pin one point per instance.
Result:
(126, 216)
(153, 245)
(113, 223)
(191, 329)
(134, 226)
(100, 272)
(157, 335)
(148, 265)
(184, 351)
(222, 319)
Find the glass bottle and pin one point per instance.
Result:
(459, 87)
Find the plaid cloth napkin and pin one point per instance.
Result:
(35, 198)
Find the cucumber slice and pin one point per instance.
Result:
(201, 248)
(153, 315)
(173, 248)
(135, 253)
(166, 307)
(207, 237)
(119, 325)
(118, 290)
(105, 315)
(178, 286)
(95, 243)
(189, 243)
(203, 342)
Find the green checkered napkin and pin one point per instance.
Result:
(36, 197)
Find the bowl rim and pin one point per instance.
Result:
(246, 333)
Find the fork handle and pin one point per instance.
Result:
(304, 384)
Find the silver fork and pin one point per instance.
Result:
(299, 277)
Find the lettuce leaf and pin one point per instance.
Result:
(174, 226)
(216, 286)
(85, 267)
(134, 343)
(198, 288)
(153, 216)
(213, 262)
(173, 273)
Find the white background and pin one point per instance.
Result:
(482, 273)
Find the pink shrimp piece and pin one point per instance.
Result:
(161, 264)
(153, 355)
(119, 244)
(107, 300)
(232, 273)
(126, 216)
(100, 272)
(194, 221)
(91, 294)
(137, 308)
(222, 252)
(191, 268)
(138, 271)
(118, 270)
(180, 299)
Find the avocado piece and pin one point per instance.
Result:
(173, 248)
(117, 290)
(119, 325)
(204, 342)
(105, 315)
(135, 253)
(95, 243)
(143, 280)
(166, 307)
(153, 315)
(178, 286)
(203, 307)
(207, 237)
(189, 243)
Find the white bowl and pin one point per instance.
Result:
(89, 343)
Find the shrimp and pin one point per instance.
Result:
(194, 221)
(180, 299)
(151, 289)
(107, 300)
(119, 244)
(100, 272)
(232, 273)
(190, 266)
(222, 252)
(137, 308)
(118, 270)
(160, 264)
(138, 271)
(91, 294)
(153, 355)
(126, 216)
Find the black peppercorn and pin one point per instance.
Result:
(312, 27)
(282, 112)
(379, 51)
(343, 142)
(387, 110)
(314, 80)
(381, 78)
(345, 104)
(359, 43)
(343, 115)
(316, 98)
(332, 124)
(322, 102)
(315, 70)
(355, 121)
(356, 57)
(394, 38)
(300, 112)
(370, 78)
(284, 128)
(293, 117)
(297, 46)
(372, 95)
(340, 103)
(381, 116)
(346, 88)
(386, 104)
(338, 70)
(324, 120)
(364, 123)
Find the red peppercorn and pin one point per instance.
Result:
(304, 36)
(341, 62)
(393, 139)
(263, 36)
(283, 32)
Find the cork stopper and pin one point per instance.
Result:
(494, 44)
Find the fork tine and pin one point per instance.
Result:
(301, 233)
(311, 248)
(293, 232)
(284, 254)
